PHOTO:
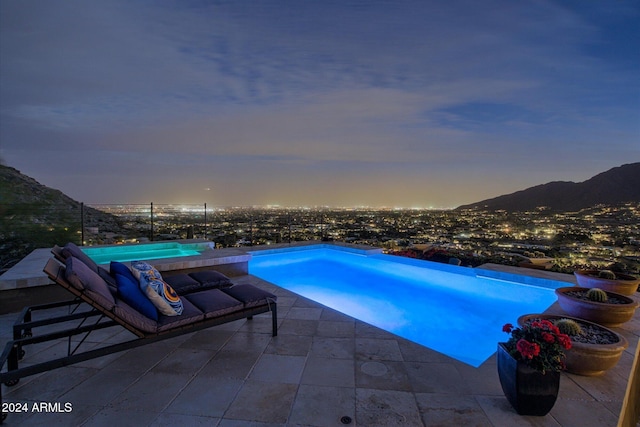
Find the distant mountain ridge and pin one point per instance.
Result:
(34, 216)
(615, 186)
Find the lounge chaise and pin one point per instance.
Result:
(207, 298)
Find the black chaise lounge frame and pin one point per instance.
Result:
(89, 320)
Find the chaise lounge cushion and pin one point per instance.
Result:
(250, 295)
(214, 302)
(190, 314)
(182, 283)
(159, 292)
(134, 318)
(72, 250)
(83, 278)
(211, 279)
(129, 291)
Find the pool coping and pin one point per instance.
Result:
(28, 272)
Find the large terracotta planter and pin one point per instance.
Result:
(623, 284)
(529, 391)
(602, 313)
(584, 358)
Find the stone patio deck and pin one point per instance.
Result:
(321, 367)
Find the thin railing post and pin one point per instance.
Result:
(251, 228)
(152, 221)
(82, 223)
(289, 221)
(205, 221)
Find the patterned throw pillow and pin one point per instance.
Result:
(157, 290)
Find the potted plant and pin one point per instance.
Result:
(596, 305)
(529, 366)
(607, 280)
(594, 348)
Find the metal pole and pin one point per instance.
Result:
(82, 223)
(152, 221)
(251, 229)
(205, 221)
(289, 221)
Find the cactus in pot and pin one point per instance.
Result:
(597, 295)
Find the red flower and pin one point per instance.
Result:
(564, 341)
(548, 337)
(529, 350)
(538, 343)
(545, 323)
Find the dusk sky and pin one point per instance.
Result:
(310, 103)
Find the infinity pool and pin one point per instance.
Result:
(146, 251)
(447, 308)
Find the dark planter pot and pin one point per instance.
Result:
(529, 391)
(624, 284)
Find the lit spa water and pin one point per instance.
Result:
(446, 308)
(147, 251)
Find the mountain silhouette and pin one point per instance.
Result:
(615, 186)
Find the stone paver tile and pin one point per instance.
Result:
(247, 342)
(263, 402)
(291, 345)
(304, 302)
(244, 423)
(205, 397)
(141, 359)
(436, 378)
(304, 313)
(298, 327)
(230, 365)
(481, 380)
(583, 413)
(377, 349)
(184, 361)
(337, 348)
(365, 330)
(323, 406)
(413, 352)
(278, 369)
(260, 324)
(451, 410)
(172, 420)
(77, 415)
(329, 372)
(501, 413)
(336, 329)
(382, 375)
(386, 408)
(208, 339)
(109, 382)
(335, 315)
(49, 386)
(151, 393)
(109, 417)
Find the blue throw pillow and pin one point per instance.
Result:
(129, 291)
(119, 268)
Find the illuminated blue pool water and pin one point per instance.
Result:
(146, 251)
(447, 308)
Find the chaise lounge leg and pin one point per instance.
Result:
(274, 320)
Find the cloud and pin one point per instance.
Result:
(318, 91)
